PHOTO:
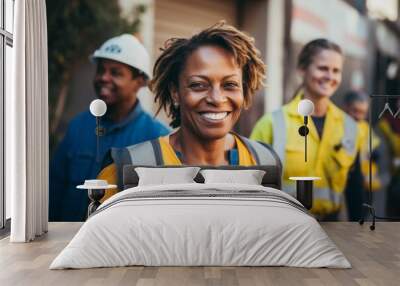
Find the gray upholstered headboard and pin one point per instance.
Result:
(272, 177)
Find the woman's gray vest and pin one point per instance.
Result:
(148, 153)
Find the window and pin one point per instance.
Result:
(6, 43)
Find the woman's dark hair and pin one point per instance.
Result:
(176, 51)
(311, 49)
(354, 96)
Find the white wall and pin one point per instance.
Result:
(275, 51)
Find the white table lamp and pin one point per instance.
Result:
(305, 108)
(304, 185)
(98, 108)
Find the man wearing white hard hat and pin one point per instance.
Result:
(123, 67)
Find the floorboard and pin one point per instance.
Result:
(374, 255)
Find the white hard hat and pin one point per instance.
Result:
(125, 49)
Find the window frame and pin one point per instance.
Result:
(6, 39)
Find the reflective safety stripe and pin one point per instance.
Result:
(140, 154)
(318, 193)
(350, 134)
(262, 154)
(279, 134)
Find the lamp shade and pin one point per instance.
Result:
(305, 107)
(98, 107)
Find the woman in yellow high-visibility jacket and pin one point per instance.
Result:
(333, 140)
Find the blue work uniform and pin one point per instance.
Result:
(75, 159)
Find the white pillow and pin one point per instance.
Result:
(248, 177)
(166, 176)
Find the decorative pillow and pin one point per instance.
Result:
(164, 176)
(248, 177)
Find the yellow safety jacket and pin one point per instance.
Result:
(329, 157)
(365, 157)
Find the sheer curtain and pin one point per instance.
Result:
(27, 124)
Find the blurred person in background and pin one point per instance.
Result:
(333, 137)
(356, 104)
(389, 126)
(203, 82)
(123, 67)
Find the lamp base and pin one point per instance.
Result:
(95, 195)
(304, 190)
(371, 210)
(304, 193)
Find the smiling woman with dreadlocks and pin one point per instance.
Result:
(203, 83)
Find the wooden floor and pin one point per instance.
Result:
(374, 255)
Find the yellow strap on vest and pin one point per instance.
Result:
(170, 158)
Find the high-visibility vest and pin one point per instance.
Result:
(329, 157)
(149, 153)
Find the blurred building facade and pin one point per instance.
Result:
(280, 28)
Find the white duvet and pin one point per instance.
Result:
(201, 224)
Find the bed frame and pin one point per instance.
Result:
(272, 177)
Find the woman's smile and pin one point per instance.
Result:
(214, 116)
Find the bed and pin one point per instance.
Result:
(201, 224)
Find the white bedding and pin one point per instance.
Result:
(222, 224)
